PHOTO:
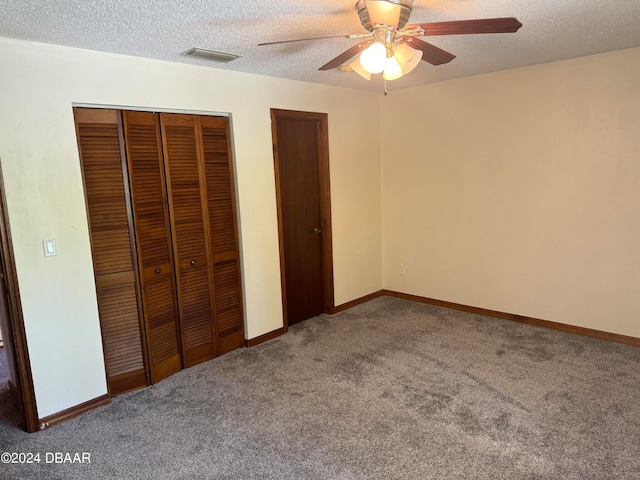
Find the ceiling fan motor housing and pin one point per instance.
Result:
(392, 13)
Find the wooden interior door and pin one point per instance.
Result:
(153, 234)
(300, 148)
(100, 141)
(223, 232)
(182, 146)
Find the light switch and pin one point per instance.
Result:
(49, 247)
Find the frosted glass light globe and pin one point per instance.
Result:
(374, 58)
(407, 57)
(392, 69)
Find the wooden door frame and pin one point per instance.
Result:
(322, 131)
(17, 334)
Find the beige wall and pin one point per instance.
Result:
(519, 191)
(38, 86)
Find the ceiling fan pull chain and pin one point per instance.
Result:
(385, 87)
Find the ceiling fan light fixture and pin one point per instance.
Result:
(393, 13)
(374, 58)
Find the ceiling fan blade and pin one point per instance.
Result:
(430, 53)
(462, 27)
(314, 38)
(346, 55)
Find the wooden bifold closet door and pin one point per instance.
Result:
(223, 231)
(176, 206)
(187, 204)
(100, 141)
(153, 234)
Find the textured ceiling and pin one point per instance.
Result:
(162, 29)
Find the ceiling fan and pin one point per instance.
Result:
(392, 47)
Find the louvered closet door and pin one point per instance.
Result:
(104, 171)
(153, 234)
(223, 232)
(183, 160)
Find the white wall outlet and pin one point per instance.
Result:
(49, 245)
(401, 269)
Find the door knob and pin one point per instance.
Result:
(317, 230)
(193, 263)
(158, 270)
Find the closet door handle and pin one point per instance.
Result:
(193, 263)
(158, 271)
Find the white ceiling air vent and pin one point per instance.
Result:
(210, 55)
